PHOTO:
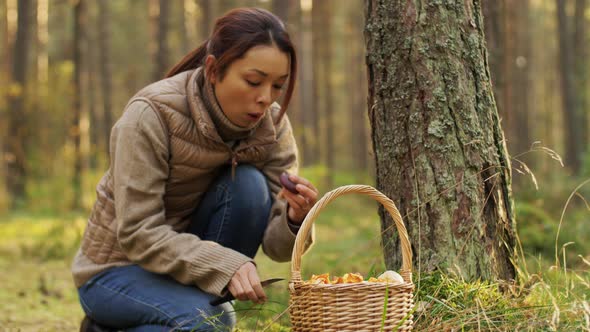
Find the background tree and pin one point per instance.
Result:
(161, 53)
(506, 29)
(15, 155)
(306, 88)
(104, 35)
(75, 130)
(571, 48)
(439, 148)
(357, 82)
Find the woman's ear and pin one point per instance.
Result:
(209, 68)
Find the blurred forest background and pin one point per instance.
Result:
(68, 67)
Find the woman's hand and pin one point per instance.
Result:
(303, 201)
(245, 284)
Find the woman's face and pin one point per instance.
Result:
(251, 84)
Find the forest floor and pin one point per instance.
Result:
(37, 292)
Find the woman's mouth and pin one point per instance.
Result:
(255, 116)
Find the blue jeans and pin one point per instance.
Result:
(232, 213)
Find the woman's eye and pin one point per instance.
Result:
(252, 83)
(278, 87)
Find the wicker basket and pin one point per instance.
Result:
(366, 306)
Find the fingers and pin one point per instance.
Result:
(295, 201)
(257, 294)
(304, 182)
(245, 284)
(306, 197)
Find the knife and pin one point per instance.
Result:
(229, 296)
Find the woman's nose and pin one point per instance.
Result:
(265, 96)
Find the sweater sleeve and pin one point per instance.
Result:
(139, 153)
(279, 238)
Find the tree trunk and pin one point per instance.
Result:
(439, 149)
(306, 89)
(572, 120)
(75, 131)
(580, 68)
(182, 11)
(4, 65)
(327, 96)
(206, 19)
(317, 45)
(33, 85)
(15, 155)
(281, 9)
(161, 56)
(506, 29)
(104, 37)
(521, 129)
(92, 77)
(357, 93)
(42, 48)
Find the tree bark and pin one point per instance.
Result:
(439, 149)
(15, 155)
(104, 37)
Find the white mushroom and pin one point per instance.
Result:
(391, 277)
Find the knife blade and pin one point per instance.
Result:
(229, 296)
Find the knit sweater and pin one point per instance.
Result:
(165, 151)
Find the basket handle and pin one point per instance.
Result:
(406, 270)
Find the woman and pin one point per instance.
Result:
(193, 186)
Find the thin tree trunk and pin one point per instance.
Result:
(357, 91)
(4, 70)
(306, 89)
(4, 40)
(79, 24)
(289, 11)
(439, 149)
(206, 19)
(91, 76)
(15, 145)
(32, 57)
(580, 52)
(327, 81)
(181, 25)
(281, 9)
(104, 38)
(521, 135)
(161, 56)
(42, 52)
(317, 45)
(571, 119)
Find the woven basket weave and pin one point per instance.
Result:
(366, 306)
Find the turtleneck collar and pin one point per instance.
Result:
(228, 131)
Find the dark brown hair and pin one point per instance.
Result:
(233, 35)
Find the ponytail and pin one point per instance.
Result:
(193, 60)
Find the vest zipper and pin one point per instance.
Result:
(234, 164)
